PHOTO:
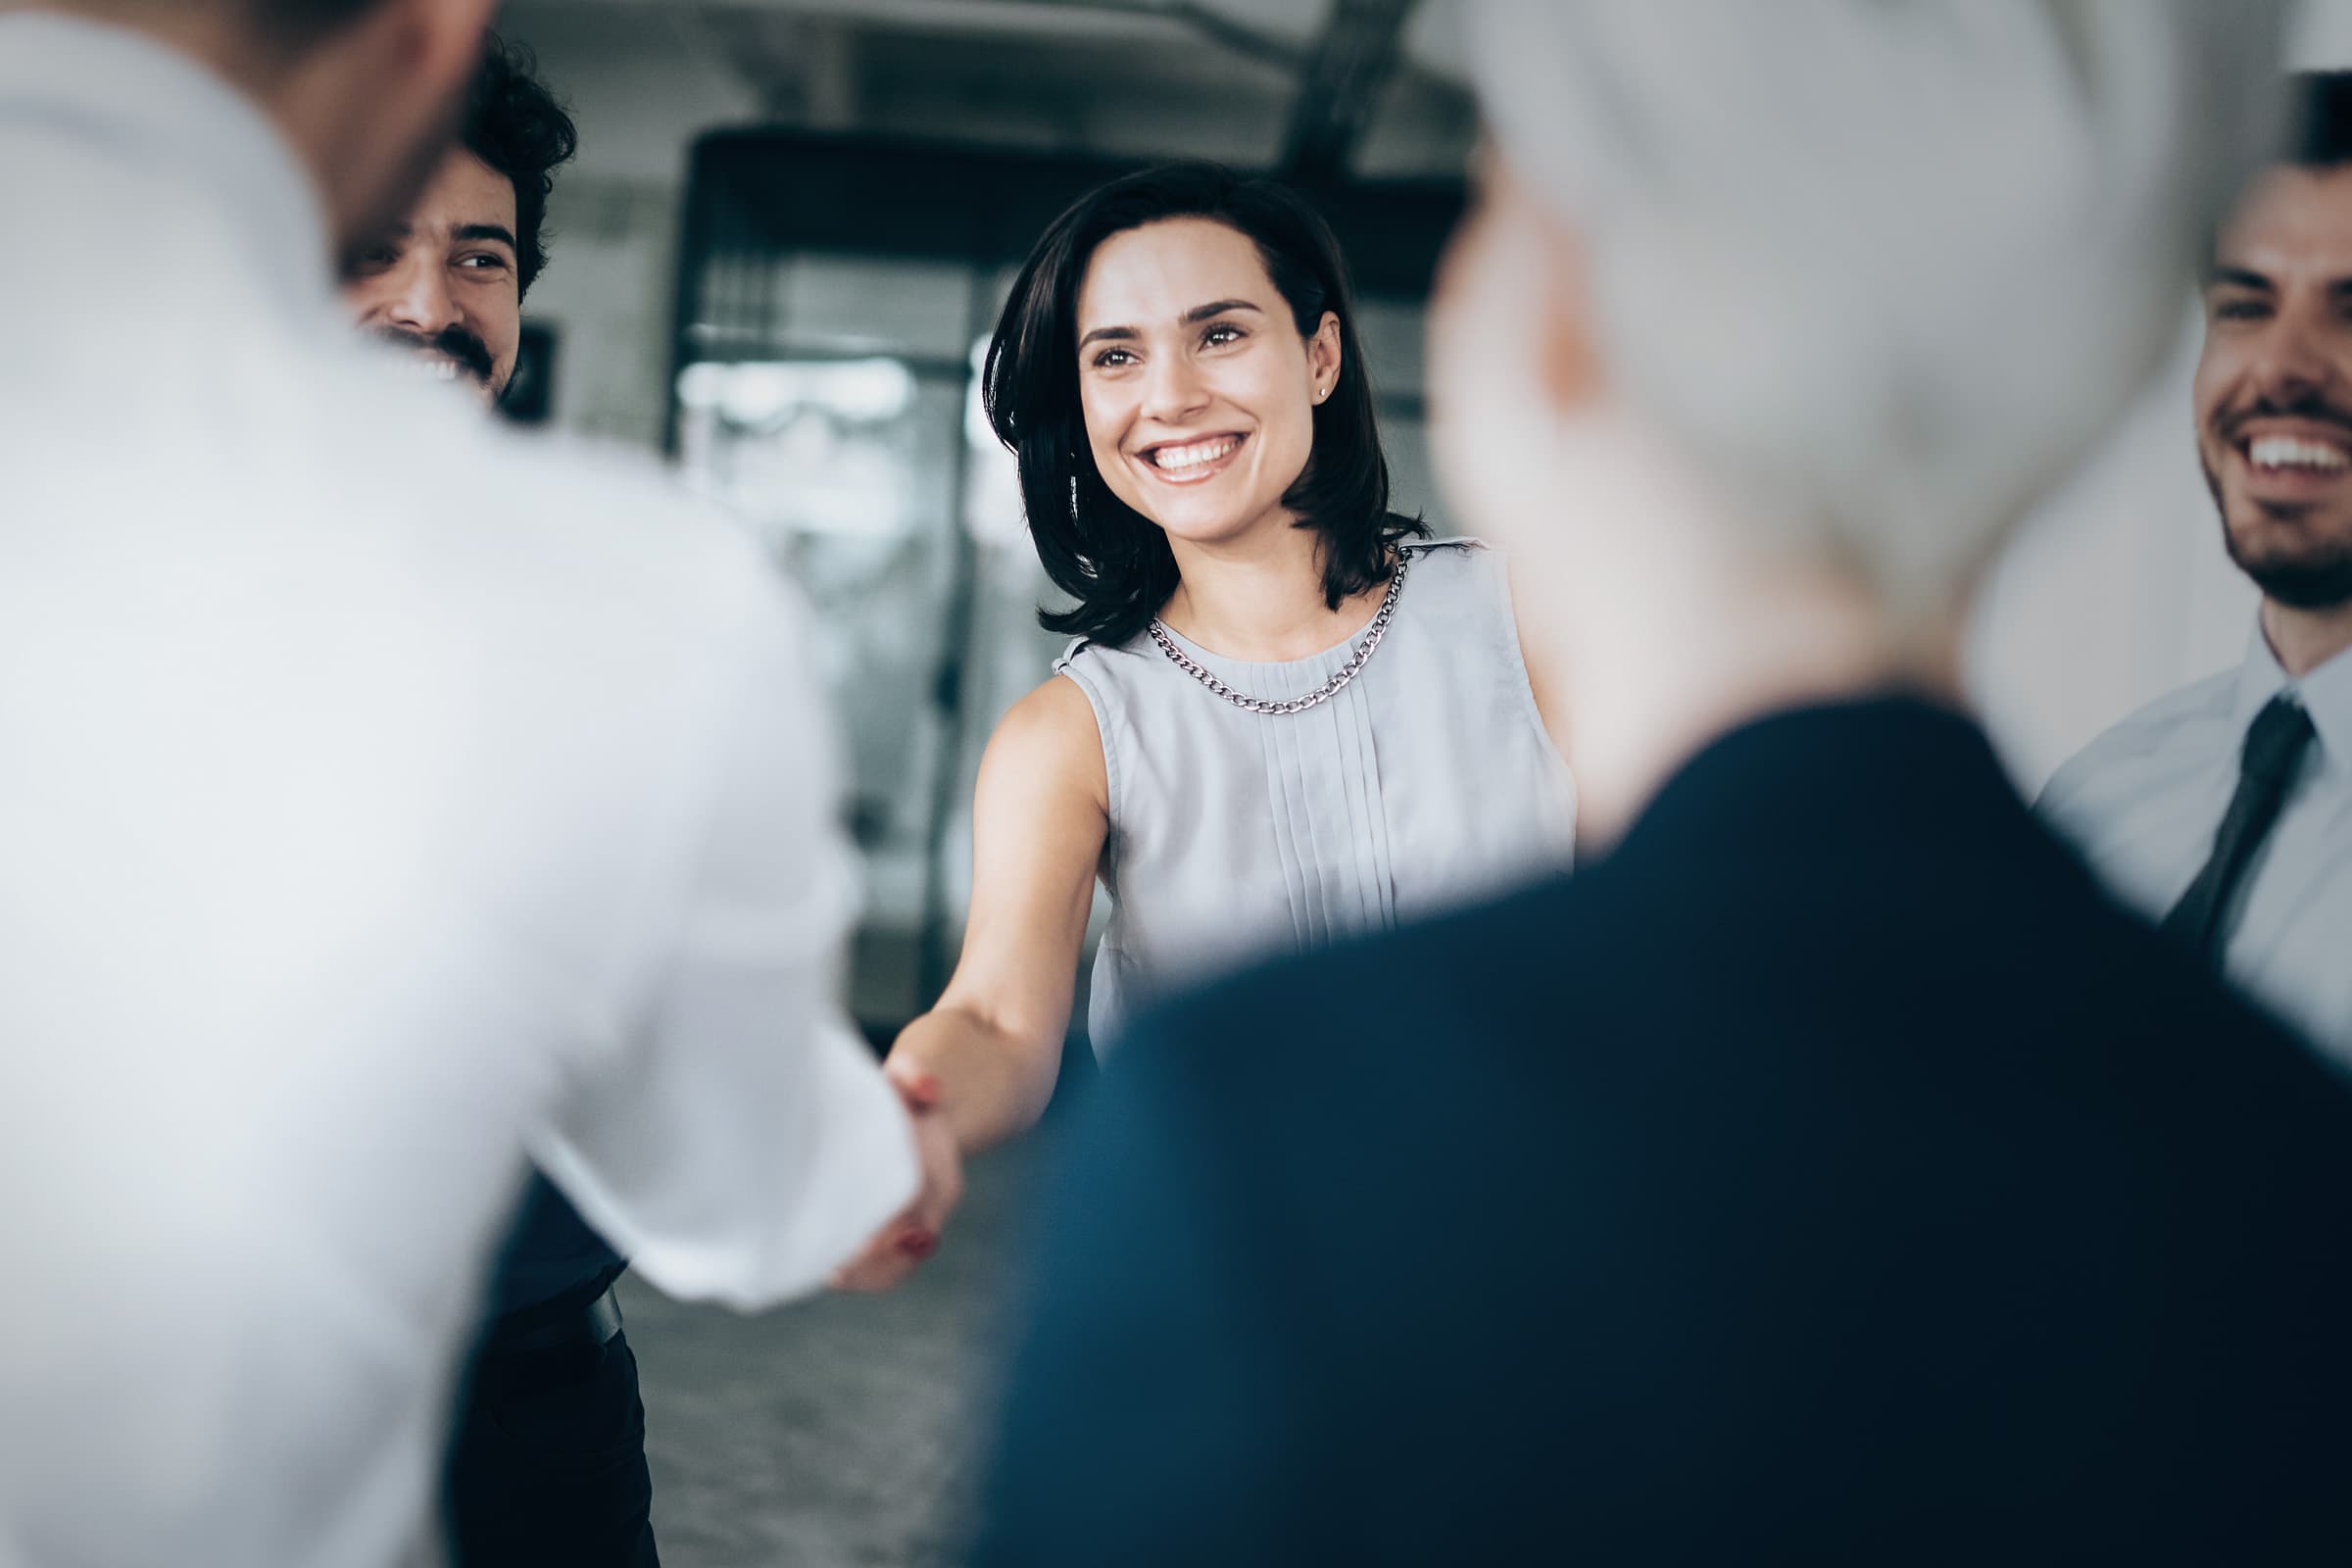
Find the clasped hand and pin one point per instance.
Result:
(913, 1235)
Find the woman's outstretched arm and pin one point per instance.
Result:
(984, 1060)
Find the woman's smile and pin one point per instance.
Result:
(1191, 459)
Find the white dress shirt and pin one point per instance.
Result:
(2145, 801)
(380, 803)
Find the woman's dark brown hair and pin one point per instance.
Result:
(1095, 547)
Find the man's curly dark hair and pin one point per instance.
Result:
(515, 125)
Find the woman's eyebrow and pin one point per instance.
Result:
(1193, 317)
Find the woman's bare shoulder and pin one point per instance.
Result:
(1051, 736)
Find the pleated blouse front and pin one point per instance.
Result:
(1426, 782)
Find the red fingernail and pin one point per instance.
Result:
(918, 1243)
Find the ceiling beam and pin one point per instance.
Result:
(1340, 86)
(1211, 24)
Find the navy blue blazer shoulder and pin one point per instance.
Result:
(1829, 1174)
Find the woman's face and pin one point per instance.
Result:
(1199, 392)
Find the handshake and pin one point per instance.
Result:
(913, 1235)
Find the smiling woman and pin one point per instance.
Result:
(1160, 300)
(1284, 718)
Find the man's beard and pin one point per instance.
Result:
(470, 353)
(2317, 577)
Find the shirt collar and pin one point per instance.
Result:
(2325, 694)
(144, 103)
(2328, 698)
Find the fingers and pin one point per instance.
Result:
(886, 1261)
(902, 1247)
(917, 1088)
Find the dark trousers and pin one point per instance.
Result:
(549, 1469)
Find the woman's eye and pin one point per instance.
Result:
(482, 264)
(1222, 332)
(1112, 358)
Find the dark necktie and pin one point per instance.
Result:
(2275, 745)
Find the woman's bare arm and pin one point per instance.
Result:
(993, 1042)
(979, 1067)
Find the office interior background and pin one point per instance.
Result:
(783, 246)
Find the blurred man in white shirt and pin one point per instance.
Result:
(546, 1460)
(382, 806)
(2224, 809)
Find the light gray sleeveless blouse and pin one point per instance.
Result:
(1425, 783)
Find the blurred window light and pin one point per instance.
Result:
(765, 395)
(802, 447)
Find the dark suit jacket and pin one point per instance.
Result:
(549, 1252)
(1831, 1174)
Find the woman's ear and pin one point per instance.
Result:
(1323, 356)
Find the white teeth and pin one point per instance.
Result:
(2285, 452)
(432, 368)
(1175, 460)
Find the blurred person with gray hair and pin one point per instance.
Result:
(1828, 1172)
(386, 807)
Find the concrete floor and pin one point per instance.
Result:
(844, 1432)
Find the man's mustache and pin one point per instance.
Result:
(470, 353)
(2228, 422)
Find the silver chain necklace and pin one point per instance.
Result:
(1322, 694)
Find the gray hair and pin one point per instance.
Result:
(1882, 267)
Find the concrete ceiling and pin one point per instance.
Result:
(1294, 19)
(1244, 80)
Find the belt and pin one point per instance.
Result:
(576, 1328)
